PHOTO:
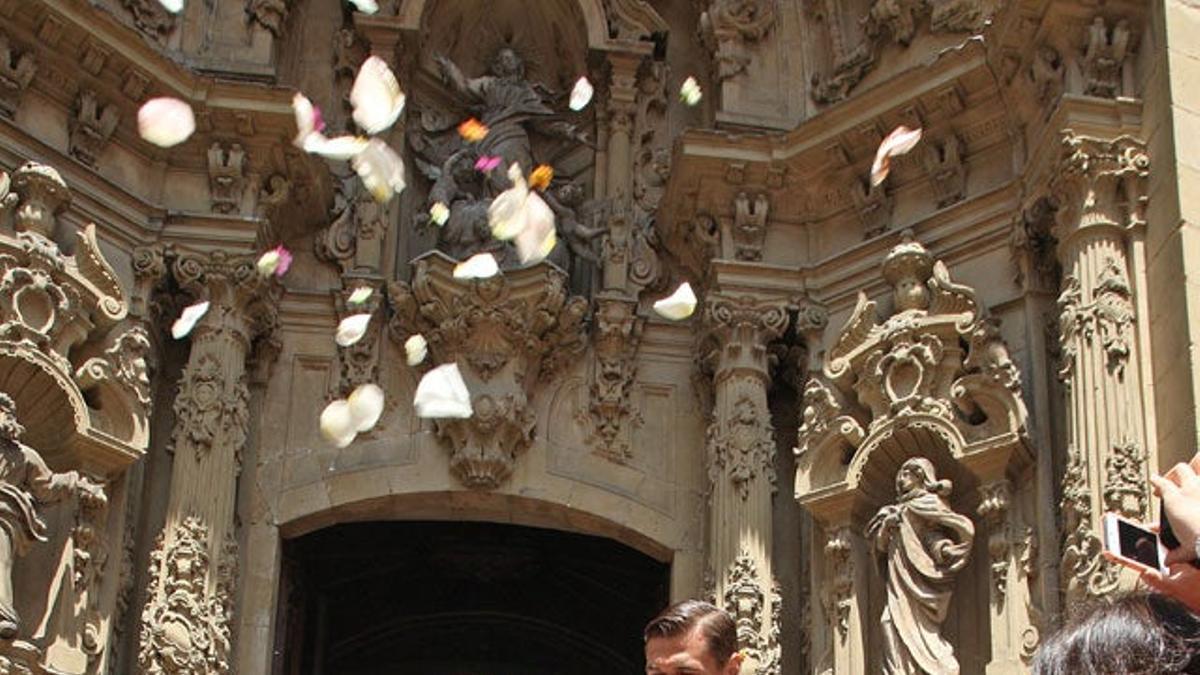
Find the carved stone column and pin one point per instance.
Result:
(1101, 195)
(622, 109)
(1010, 555)
(741, 462)
(186, 621)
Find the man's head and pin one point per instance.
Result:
(692, 638)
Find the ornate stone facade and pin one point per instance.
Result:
(1008, 312)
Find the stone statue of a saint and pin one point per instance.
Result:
(510, 106)
(26, 482)
(923, 545)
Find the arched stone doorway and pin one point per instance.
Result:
(462, 598)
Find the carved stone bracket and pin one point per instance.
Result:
(947, 173)
(507, 334)
(1106, 59)
(91, 127)
(840, 568)
(226, 177)
(749, 226)
(730, 28)
(16, 73)
(616, 336)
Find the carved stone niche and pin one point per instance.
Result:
(16, 73)
(73, 368)
(932, 379)
(507, 334)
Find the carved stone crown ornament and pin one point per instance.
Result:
(506, 333)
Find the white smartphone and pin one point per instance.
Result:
(1133, 541)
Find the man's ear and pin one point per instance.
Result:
(735, 663)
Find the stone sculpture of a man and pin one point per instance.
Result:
(26, 482)
(923, 545)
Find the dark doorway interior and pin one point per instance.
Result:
(452, 598)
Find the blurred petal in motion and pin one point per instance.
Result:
(337, 423)
(487, 163)
(442, 393)
(381, 170)
(539, 178)
(439, 213)
(478, 266)
(275, 261)
(415, 349)
(506, 213)
(679, 305)
(165, 122)
(187, 319)
(360, 295)
(352, 329)
(689, 91)
(581, 94)
(366, 405)
(472, 130)
(900, 141)
(376, 96)
(365, 6)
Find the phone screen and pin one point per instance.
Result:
(1138, 544)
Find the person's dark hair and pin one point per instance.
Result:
(718, 629)
(1137, 634)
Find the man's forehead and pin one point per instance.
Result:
(677, 651)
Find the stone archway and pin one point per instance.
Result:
(451, 598)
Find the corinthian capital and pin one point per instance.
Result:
(243, 302)
(740, 327)
(1100, 182)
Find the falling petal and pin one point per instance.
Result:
(187, 319)
(536, 239)
(340, 148)
(689, 91)
(506, 213)
(376, 96)
(165, 122)
(900, 141)
(679, 305)
(360, 295)
(439, 213)
(365, 6)
(308, 120)
(478, 266)
(416, 348)
(381, 170)
(172, 6)
(486, 163)
(337, 423)
(275, 261)
(4, 183)
(442, 393)
(366, 405)
(541, 177)
(352, 329)
(472, 131)
(581, 95)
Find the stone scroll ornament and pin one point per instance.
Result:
(25, 483)
(923, 544)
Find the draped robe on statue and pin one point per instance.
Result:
(925, 545)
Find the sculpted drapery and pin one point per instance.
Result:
(922, 544)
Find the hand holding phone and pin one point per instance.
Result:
(1133, 544)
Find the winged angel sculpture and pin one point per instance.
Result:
(513, 108)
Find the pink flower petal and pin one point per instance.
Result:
(487, 163)
(285, 260)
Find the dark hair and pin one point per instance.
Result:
(1137, 634)
(714, 624)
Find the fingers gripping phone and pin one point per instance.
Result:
(1133, 542)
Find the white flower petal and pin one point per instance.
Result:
(306, 119)
(187, 319)
(506, 214)
(416, 348)
(442, 393)
(360, 295)
(900, 141)
(352, 329)
(337, 423)
(340, 148)
(268, 262)
(172, 6)
(537, 238)
(439, 213)
(478, 266)
(679, 305)
(376, 96)
(366, 405)
(165, 121)
(581, 94)
(365, 6)
(689, 91)
(381, 170)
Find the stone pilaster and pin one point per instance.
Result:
(1101, 195)
(186, 623)
(1010, 559)
(741, 462)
